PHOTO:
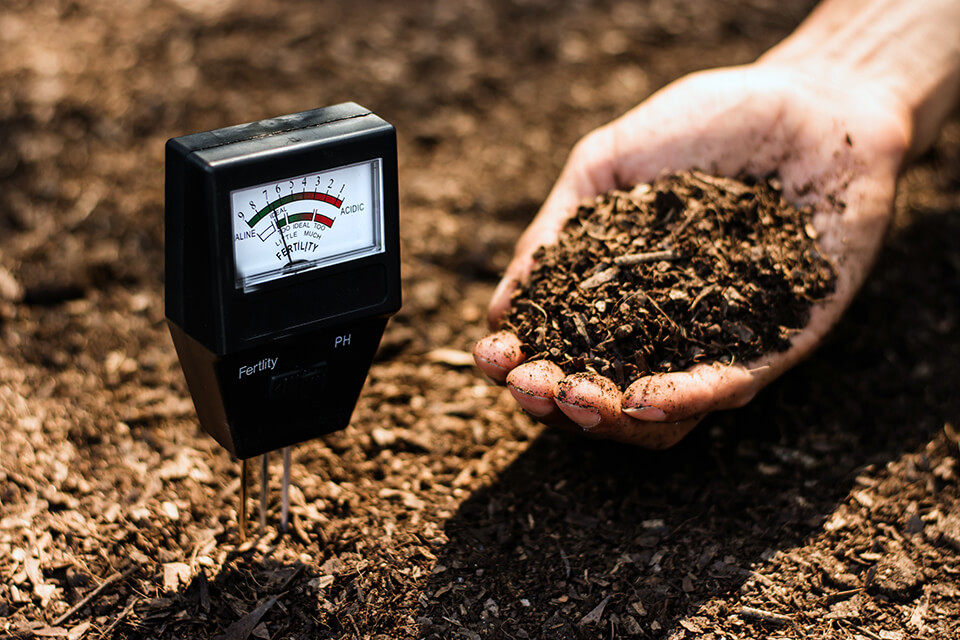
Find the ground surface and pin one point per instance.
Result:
(826, 509)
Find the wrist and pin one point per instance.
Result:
(903, 54)
(862, 106)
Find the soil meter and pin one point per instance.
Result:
(282, 268)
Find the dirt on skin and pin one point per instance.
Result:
(825, 509)
(693, 268)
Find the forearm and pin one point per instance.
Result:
(904, 51)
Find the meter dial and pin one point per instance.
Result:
(306, 222)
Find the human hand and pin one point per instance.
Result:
(837, 148)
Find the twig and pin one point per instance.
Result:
(722, 184)
(759, 577)
(680, 329)
(867, 633)
(765, 616)
(93, 594)
(693, 212)
(581, 327)
(599, 278)
(632, 259)
(718, 253)
(123, 614)
(538, 308)
(707, 290)
(840, 595)
(298, 530)
(293, 576)
(893, 533)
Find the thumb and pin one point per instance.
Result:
(543, 231)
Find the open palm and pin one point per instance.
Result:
(836, 148)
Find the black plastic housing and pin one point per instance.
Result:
(322, 327)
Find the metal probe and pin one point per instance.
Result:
(264, 492)
(264, 485)
(243, 500)
(285, 504)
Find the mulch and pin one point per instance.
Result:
(826, 508)
(693, 268)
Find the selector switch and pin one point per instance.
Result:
(300, 384)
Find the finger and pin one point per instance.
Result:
(655, 435)
(500, 300)
(590, 400)
(594, 403)
(497, 354)
(670, 397)
(543, 231)
(532, 385)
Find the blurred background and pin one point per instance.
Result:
(442, 511)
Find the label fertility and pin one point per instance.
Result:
(267, 364)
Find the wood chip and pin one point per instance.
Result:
(632, 259)
(79, 631)
(765, 616)
(451, 357)
(10, 288)
(174, 575)
(242, 628)
(602, 277)
(595, 615)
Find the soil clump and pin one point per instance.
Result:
(693, 268)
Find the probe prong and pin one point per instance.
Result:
(243, 500)
(285, 491)
(264, 485)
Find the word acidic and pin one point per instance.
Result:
(263, 365)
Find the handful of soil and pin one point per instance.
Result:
(693, 268)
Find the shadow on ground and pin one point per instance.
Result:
(252, 593)
(586, 539)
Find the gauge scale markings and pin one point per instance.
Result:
(278, 231)
(293, 197)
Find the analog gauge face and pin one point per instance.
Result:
(306, 222)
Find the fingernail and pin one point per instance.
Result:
(652, 414)
(484, 363)
(537, 406)
(583, 416)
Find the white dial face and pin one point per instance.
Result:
(306, 222)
